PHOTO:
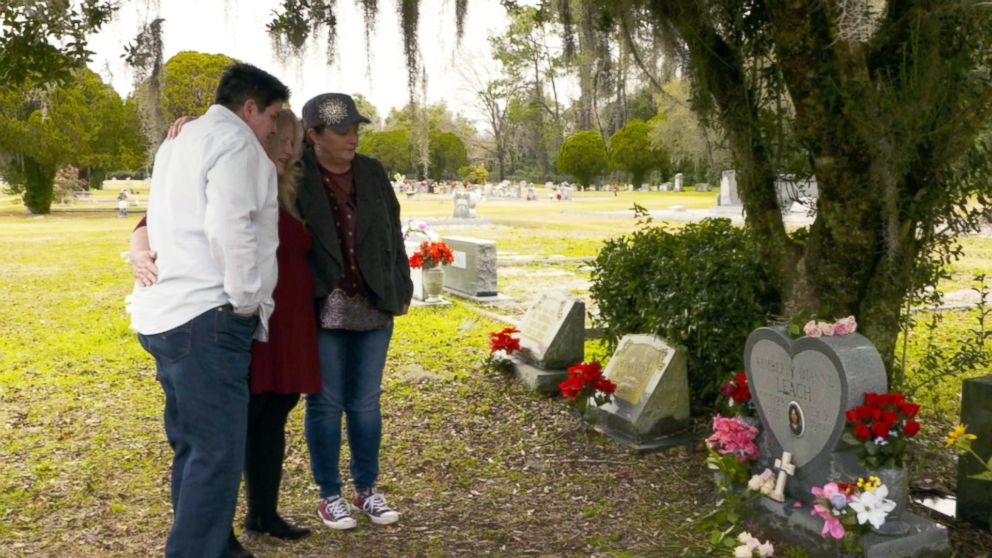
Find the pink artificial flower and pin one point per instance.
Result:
(826, 328)
(811, 329)
(840, 328)
(849, 323)
(831, 524)
(734, 436)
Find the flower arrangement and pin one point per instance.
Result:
(417, 227)
(431, 254)
(585, 382)
(730, 449)
(750, 547)
(733, 436)
(763, 482)
(881, 427)
(502, 344)
(961, 440)
(842, 326)
(738, 394)
(849, 509)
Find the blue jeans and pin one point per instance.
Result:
(351, 364)
(203, 368)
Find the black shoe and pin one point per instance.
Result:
(235, 550)
(275, 526)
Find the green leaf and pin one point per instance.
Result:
(984, 476)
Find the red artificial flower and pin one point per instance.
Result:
(416, 260)
(876, 414)
(864, 412)
(862, 431)
(897, 398)
(911, 428)
(728, 389)
(909, 409)
(871, 399)
(605, 386)
(852, 416)
(881, 429)
(890, 417)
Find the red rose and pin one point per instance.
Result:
(864, 412)
(741, 378)
(852, 416)
(890, 416)
(861, 431)
(897, 398)
(871, 399)
(742, 394)
(876, 414)
(728, 389)
(881, 429)
(911, 428)
(909, 409)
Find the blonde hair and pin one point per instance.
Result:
(289, 182)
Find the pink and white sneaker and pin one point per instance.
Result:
(335, 513)
(374, 505)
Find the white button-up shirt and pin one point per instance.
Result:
(213, 220)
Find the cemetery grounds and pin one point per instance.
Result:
(477, 465)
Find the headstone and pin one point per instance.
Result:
(975, 496)
(802, 389)
(651, 402)
(462, 205)
(790, 190)
(552, 337)
(678, 182)
(728, 189)
(473, 271)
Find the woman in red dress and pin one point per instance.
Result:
(285, 366)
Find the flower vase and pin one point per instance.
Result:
(896, 479)
(433, 278)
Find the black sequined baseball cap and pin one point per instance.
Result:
(332, 110)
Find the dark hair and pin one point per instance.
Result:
(241, 82)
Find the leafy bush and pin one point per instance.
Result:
(700, 287)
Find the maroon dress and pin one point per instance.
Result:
(288, 362)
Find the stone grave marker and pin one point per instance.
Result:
(651, 402)
(473, 271)
(975, 496)
(678, 183)
(552, 336)
(728, 189)
(462, 209)
(802, 389)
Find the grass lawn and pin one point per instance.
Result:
(478, 465)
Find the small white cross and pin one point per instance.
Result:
(785, 469)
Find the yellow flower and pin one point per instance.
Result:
(961, 431)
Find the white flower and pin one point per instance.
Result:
(744, 536)
(742, 551)
(873, 506)
(766, 549)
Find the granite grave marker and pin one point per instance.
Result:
(651, 402)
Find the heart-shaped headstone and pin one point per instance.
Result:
(802, 388)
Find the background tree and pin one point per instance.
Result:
(689, 142)
(45, 42)
(366, 108)
(583, 155)
(189, 82)
(631, 151)
(393, 148)
(81, 122)
(447, 152)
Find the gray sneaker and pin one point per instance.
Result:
(374, 505)
(335, 513)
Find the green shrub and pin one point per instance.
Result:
(700, 287)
